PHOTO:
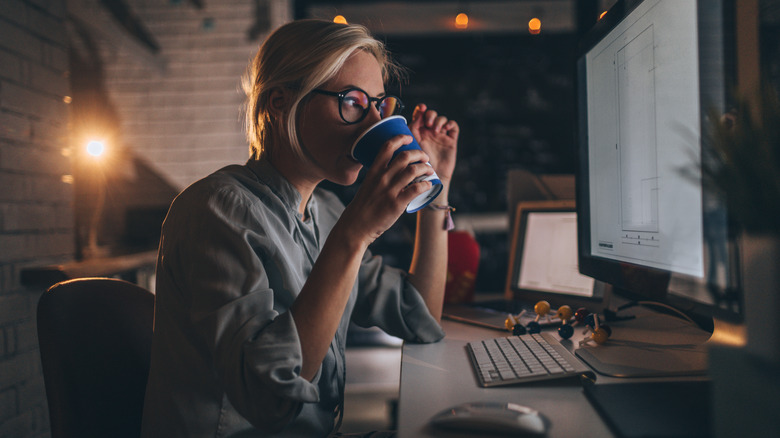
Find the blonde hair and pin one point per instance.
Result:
(300, 56)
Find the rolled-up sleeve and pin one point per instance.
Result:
(389, 301)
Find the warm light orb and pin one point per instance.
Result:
(340, 19)
(96, 148)
(602, 15)
(461, 21)
(535, 26)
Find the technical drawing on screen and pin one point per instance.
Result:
(644, 120)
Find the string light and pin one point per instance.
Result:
(535, 26)
(340, 19)
(602, 15)
(461, 21)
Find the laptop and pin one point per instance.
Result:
(542, 266)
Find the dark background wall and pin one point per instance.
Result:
(513, 98)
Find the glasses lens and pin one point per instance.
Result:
(389, 106)
(353, 105)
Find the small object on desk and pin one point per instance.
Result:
(492, 417)
(600, 335)
(513, 320)
(541, 308)
(580, 315)
(592, 321)
(564, 313)
(565, 331)
(518, 330)
(599, 332)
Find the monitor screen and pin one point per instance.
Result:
(649, 74)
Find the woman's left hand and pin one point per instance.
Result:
(438, 137)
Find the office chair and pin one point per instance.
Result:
(95, 337)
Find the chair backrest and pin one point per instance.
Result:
(95, 337)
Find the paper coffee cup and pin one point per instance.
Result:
(367, 146)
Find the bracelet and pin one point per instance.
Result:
(448, 223)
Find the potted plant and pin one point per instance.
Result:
(743, 163)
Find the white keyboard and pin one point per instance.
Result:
(526, 358)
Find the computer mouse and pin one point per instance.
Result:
(493, 417)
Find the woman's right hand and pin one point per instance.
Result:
(386, 190)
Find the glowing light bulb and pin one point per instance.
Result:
(96, 148)
(535, 26)
(602, 15)
(461, 21)
(340, 19)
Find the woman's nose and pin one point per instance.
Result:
(373, 115)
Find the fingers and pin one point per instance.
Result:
(430, 119)
(388, 150)
(394, 170)
(451, 128)
(419, 110)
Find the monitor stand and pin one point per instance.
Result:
(651, 345)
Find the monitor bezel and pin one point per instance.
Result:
(630, 280)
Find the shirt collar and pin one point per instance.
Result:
(269, 176)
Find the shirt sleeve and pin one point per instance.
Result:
(217, 257)
(388, 300)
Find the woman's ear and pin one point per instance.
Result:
(277, 100)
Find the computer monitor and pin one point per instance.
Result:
(649, 75)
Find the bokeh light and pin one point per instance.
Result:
(461, 21)
(535, 26)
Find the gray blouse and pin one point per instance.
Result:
(226, 356)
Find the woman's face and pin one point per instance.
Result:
(325, 137)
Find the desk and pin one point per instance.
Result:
(436, 376)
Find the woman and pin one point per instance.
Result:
(259, 271)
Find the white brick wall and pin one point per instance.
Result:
(185, 117)
(36, 212)
(179, 110)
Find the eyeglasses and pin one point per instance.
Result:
(355, 103)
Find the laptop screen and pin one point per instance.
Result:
(548, 261)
